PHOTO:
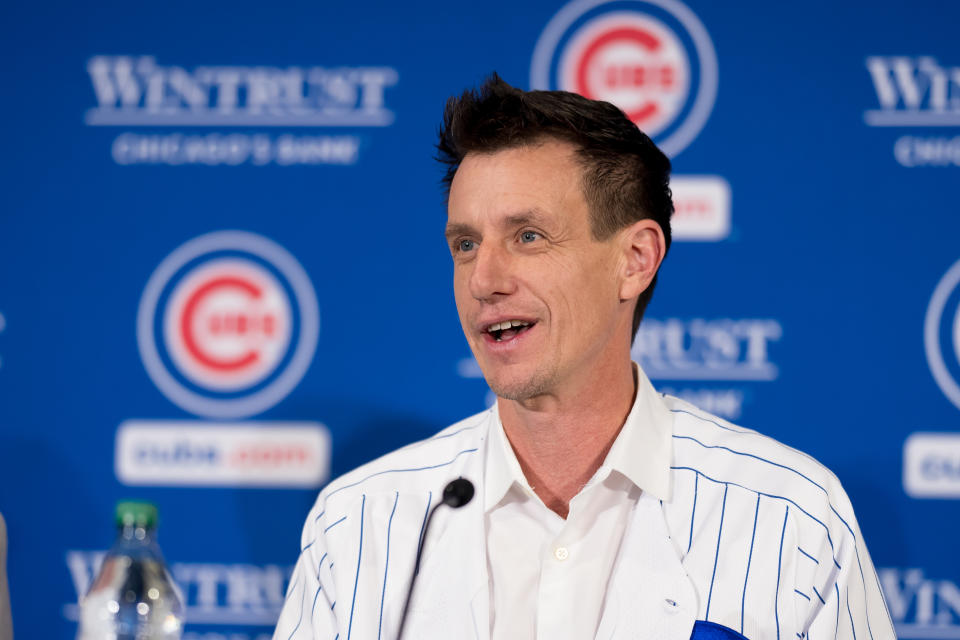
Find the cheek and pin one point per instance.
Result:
(594, 297)
(461, 293)
(577, 302)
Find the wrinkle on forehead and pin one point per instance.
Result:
(529, 184)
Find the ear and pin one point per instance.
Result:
(643, 247)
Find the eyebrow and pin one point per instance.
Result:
(524, 218)
(531, 216)
(458, 229)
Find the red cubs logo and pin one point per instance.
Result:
(227, 324)
(652, 58)
(633, 61)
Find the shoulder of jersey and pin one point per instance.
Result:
(725, 452)
(429, 463)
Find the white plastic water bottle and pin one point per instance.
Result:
(133, 596)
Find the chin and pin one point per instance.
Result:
(518, 387)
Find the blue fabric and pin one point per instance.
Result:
(703, 630)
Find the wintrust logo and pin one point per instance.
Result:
(137, 91)
(921, 607)
(707, 349)
(917, 91)
(215, 593)
(914, 91)
(680, 354)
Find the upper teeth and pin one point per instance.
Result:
(506, 324)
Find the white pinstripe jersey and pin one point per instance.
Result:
(756, 536)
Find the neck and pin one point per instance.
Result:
(562, 438)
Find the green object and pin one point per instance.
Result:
(131, 513)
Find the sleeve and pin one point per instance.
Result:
(847, 601)
(308, 608)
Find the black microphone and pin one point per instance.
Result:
(456, 494)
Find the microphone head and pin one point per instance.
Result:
(458, 493)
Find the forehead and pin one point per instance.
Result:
(544, 177)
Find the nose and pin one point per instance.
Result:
(492, 273)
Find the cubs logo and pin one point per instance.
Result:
(227, 325)
(941, 335)
(652, 58)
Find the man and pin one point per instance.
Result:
(603, 509)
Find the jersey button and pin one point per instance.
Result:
(561, 553)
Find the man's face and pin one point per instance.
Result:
(537, 295)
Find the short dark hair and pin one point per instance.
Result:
(625, 178)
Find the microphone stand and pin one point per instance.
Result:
(456, 494)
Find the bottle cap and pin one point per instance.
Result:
(136, 514)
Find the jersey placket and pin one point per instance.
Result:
(563, 567)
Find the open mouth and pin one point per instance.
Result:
(508, 329)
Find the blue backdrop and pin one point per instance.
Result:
(223, 279)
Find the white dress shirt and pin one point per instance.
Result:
(548, 575)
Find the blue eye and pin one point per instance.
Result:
(465, 245)
(529, 236)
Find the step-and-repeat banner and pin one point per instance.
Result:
(223, 279)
